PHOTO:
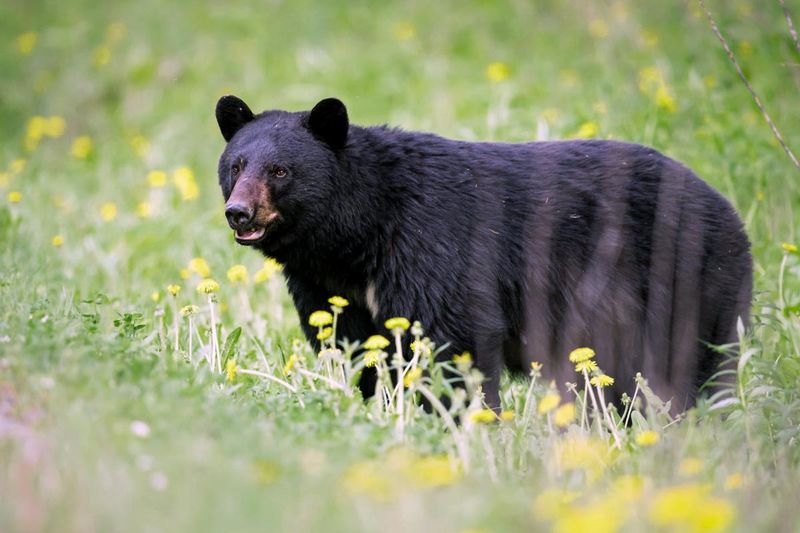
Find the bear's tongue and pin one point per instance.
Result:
(250, 235)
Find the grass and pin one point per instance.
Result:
(103, 426)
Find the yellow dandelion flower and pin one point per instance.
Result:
(187, 310)
(552, 503)
(183, 177)
(647, 438)
(17, 166)
(207, 286)
(144, 210)
(594, 517)
(433, 471)
(34, 131)
(320, 319)
(665, 100)
(5, 179)
(412, 376)
(293, 360)
(325, 333)
(108, 211)
(587, 130)
(649, 38)
(564, 415)
(373, 357)
(690, 508)
(733, 482)
(55, 126)
(536, 366)
(140, 145)
(157, 179)
(497, 72)
(404, 31)
(745, 49)
(338, 301)
(760, 196)
(173, 289)
(366, 478)
(690, 466)
(231, 370)
(237, 274)
(548, 403)
(463, 360)
(598, 28)
(602, 380)
(507, 416)
(483, 416)
(575, 452)
(26, 42)
(581, 354)
(627, 489)
(36, 126)
(57, 241)
(650, 78)
(397, 323)
(184, 273)
(101, 56)
(266, 472)
(586, 366)
(199, 266)
(82, 147)
(14, 197)
(155, 296)
(710, 81)
(375, 342)
(789, 247)
(267, 271)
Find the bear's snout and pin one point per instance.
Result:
(239, 215)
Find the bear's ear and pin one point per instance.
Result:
(328, 122)
(232, 114)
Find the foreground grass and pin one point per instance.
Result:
(103, 426)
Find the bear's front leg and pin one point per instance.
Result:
(488, 359)
(355, 324)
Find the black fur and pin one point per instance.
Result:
(514, 252)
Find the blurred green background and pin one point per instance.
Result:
(108, 148)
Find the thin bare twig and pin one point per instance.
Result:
(789, 22)
(763, 110)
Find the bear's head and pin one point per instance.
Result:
(279, 169)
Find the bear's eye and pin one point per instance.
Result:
(279, 172)
(235, 168)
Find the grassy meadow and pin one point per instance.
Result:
(124, 408)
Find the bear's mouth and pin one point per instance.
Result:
(249, 236)
(256, 233)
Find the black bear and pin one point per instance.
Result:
(513, 252)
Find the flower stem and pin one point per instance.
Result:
(607, 416)
(594, 401)
(270, 377)
(215, 355)
(176, 324)
(398, 357)
(333, 383)
(458, 438)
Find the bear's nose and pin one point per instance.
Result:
(238, 215)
